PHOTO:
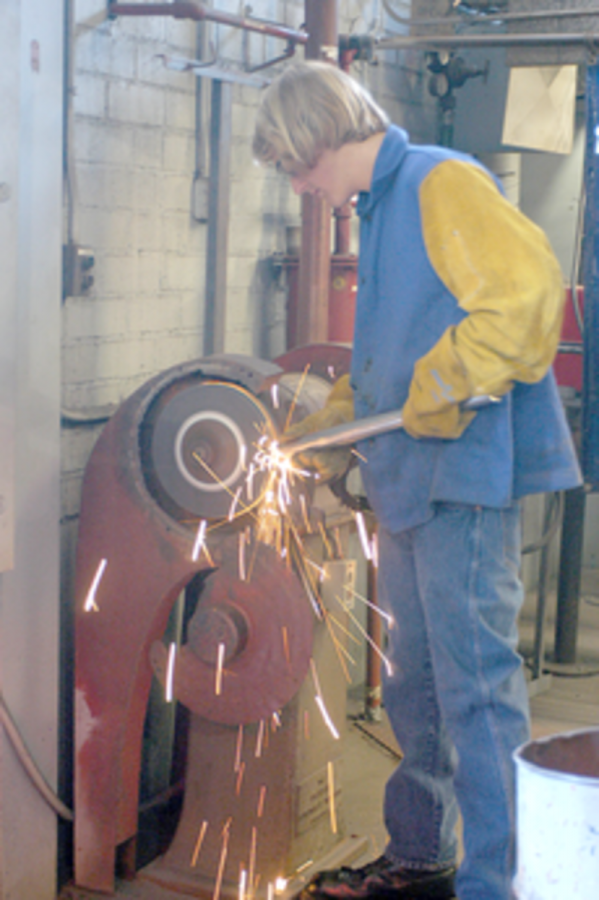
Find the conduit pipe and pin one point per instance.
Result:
(441, 41)
(191, 9)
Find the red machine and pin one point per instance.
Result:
(168, 466)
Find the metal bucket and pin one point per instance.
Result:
(557, 816)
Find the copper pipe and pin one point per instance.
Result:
(315, 254)
(192, 9)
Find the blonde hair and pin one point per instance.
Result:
(311, 107)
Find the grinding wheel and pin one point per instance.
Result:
(203, 437)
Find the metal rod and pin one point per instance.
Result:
(191, 9)
(487, 40)
(359, 429)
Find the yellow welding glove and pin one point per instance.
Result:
(503, 273)
(338, 409)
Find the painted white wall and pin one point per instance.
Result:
(30, 227)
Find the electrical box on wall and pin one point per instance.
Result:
(77, 263)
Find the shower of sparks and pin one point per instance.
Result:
(331, 786)
(363, 534)
(238, 748)
(349, 590)
(243, 877)
(199, 541)
(286, 644)
(239, 781)
(274, 393)
(321, 704)
(218, 681)
(261, 801)
(199, 842)
(259, 739)
(385, 660)
(170, 673)
(222, 861)
(252, 863)
(90, 600)
(234, 503)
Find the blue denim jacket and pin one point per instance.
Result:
(519, 446)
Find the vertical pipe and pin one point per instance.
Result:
(590, 255)
(568, 591)
(218, 219)
(315, 255)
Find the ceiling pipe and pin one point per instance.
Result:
(489, 17)
(439, 41)
(191, 9)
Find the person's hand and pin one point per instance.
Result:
(433, 408)
(338, 410)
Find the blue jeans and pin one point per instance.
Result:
(457, 697)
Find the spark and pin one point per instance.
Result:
(242, 884)
(222, 861)
(375, 550)
(259, 740)
(199, 541)
(331, 786)
(325, 715)
(325, 540)
(274, 393)
(90, 600)
(331, 372)
(252, 859)
(234, 503)
(170, 672)
(249, 481)
(303, 867)
(321, 704)
(296, 396)
(241, 556)
(243, 453)
(198, 846)
(238, 748)
(239, 781)
(374, 606)
(286, 644)
(270, 891)
(305, 516)
(218, 682)
(363, 534)
(359, 455)
(275, 721)
(261, 800)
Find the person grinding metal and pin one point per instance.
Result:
(459, 295)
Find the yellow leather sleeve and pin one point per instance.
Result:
(501, 269)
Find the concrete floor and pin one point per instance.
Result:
(564, 702)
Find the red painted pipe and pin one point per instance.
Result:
(191, 9)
